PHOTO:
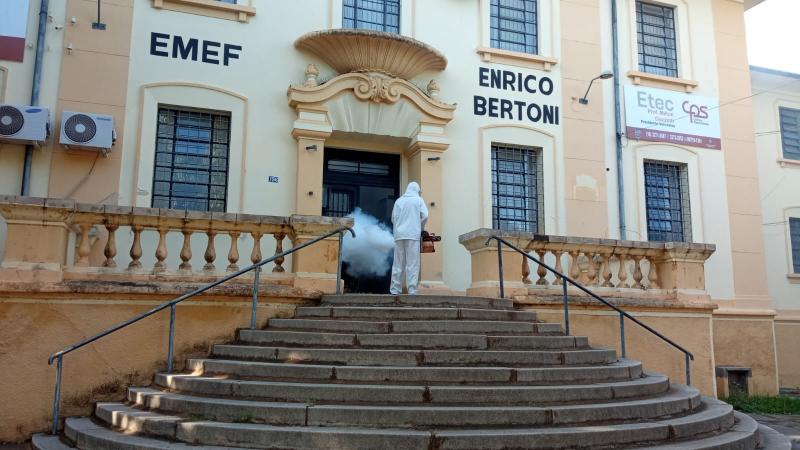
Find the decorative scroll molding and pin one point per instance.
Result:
(372, 87)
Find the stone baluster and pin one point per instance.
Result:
(652, 275)
(574, 270)
(233, 254)
(541, 271)
(278, 268)
(161, 250)
(592, 273)
(622, 273)
(83, 246)
(111, 245)
(606, 268)
(136, 248)
(186, 251)
(526, 271)
(211, 252)
(637, 272)
(255, 255)
(558, 281)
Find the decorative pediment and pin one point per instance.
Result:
(371, 87)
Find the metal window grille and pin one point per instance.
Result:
(191, 165)
(233, 2)
(790, 132)
(513, 25)
(794, 234)
(517, 200)
(667, 197)
(378, 15)
(655, 35)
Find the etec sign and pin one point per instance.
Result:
(177, 47)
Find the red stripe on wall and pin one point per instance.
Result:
(12, 48)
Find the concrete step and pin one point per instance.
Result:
(772, 440)
(417, 326)
(446, 301)
(743, 435)
(407, 394)
(453, 341)
(543, 351)
(48, 442)
(207, 433)
(418, 374)
(405, 313)
(679, 400)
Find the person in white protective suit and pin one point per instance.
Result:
(408, 217)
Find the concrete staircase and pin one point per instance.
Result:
(418, 372)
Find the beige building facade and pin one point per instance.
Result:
(776, 108)
(240, 110)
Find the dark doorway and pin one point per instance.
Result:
(366, 180)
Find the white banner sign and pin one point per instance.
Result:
(667, 116)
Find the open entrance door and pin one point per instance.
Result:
(370, 181)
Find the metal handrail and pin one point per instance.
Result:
(59, 356)
(688, 356)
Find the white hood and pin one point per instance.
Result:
(409, 214)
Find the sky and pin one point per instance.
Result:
(772, 35)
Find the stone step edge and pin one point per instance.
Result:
(429, 394)
(490, 375)
(419, 357)
(327, 312)
(679, 401)
(85, 426)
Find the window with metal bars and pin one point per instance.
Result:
(191, 165)
(794, 236)
(655, 35)
(517, 200)
(666, 187)
(790, 132)
(378, 15)
(513, 25)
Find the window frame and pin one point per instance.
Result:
(538, 199)
(641, 63)
(494, 43)
(685, 202)
(793, 225)
(795, 155)
(175, 139)
(355, 20)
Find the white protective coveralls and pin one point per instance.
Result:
(408, 217)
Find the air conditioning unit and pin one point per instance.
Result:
(24, 124)
(87, 131)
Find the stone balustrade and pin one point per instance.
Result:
(38, 234)
(623, 267)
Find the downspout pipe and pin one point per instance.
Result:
(618, 120)
(37, 82)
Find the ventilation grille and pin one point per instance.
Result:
(11, 120)
(80, 128)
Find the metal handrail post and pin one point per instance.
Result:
(170, 351)
(500, 267)
(339, 266)
(688, 371)
(254, 304)
(566, 306)
(622, 334)
(57, 397)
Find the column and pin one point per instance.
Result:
(310, 130)
(425, 159)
